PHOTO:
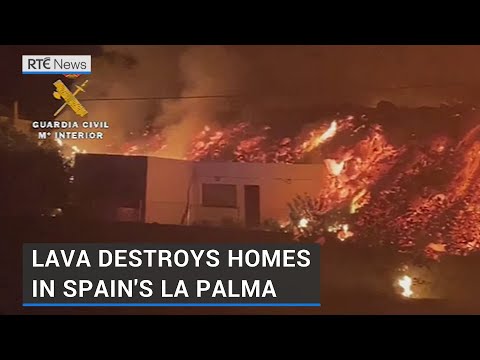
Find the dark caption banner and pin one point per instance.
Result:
(171, 275)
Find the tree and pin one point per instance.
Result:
(33, 177)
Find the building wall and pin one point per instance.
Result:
(279, 184)
(110, 187)
(167, 190)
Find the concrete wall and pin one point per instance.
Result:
(173, 186)
(110, 187)
(167, 188)
(169, 191)
(279, 184)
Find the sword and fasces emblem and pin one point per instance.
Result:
(62, 92)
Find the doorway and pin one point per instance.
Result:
(252, 205)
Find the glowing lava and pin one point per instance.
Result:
(420, 195)
(318, 137)
(245, 142)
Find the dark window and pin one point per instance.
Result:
(219, 195)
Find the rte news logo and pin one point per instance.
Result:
(56, 64)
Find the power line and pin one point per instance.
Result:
(297, 94)
(163, 98)
(425, 86)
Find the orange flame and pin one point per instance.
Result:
(334, 167)
(317, 138)
(405, 282)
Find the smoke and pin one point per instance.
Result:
(126, 72)
(267, 78)
(204, 70)
(406, 75)
(160, 71)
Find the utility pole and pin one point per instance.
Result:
(15, 112)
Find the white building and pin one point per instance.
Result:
(169, 191)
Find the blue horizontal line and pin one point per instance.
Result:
(171, 304)
(55, 72)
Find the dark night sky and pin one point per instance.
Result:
(32, 91)
(268, 76)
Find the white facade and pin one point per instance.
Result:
(167, 190)
(176, 190)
